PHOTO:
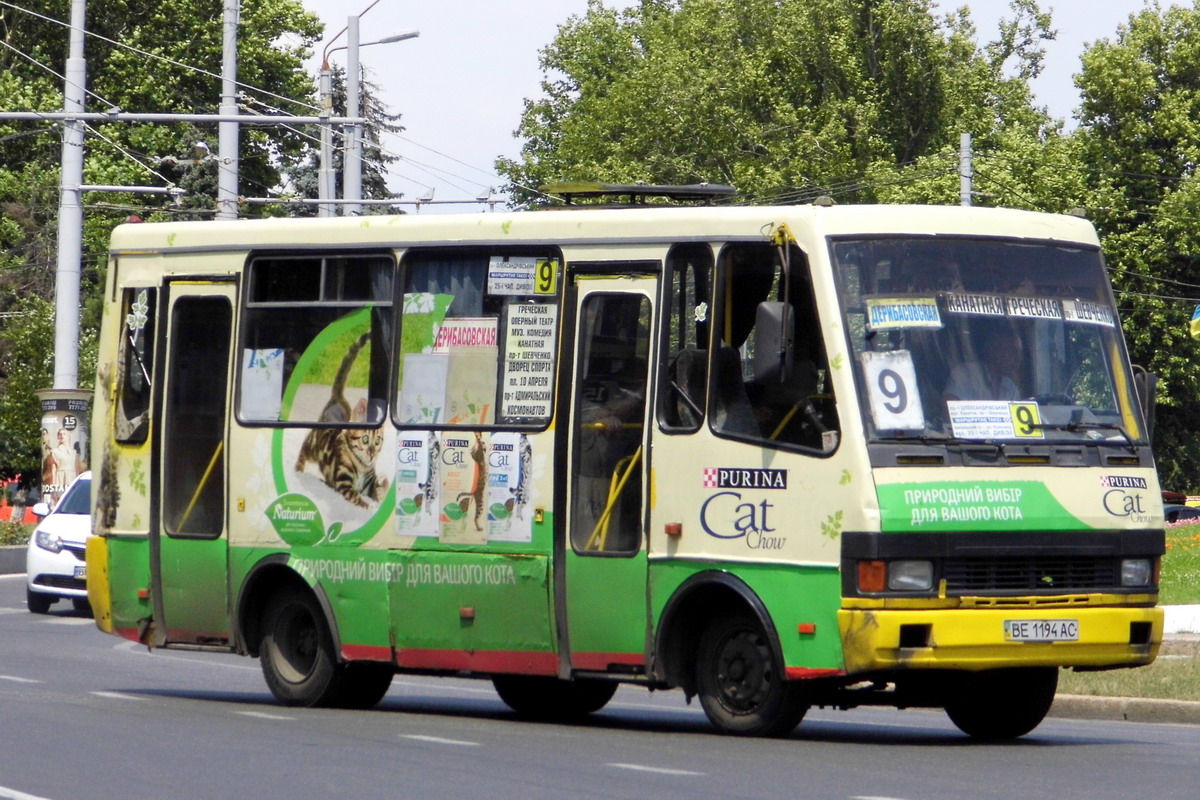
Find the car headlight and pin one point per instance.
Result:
(1137, 572)
(910, 576)
(49, 541)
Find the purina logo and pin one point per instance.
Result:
(730, 478)
(1122, 482)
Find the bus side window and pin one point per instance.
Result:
(135, 360)
(681, 398)
(789, 407)
(316, 342)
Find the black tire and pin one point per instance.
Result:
(296, 651)
(81, 604)
(742, 689)
(545, 698)
(38, 602)
(362, 684)
(1001, 704)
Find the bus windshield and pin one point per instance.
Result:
(985, 339)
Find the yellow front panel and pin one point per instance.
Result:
(974, 638)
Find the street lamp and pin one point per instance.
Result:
(352, 162)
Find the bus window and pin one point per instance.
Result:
(756, 395)
(685, 338)
(478, 338)
(136, 360)
(316, 340)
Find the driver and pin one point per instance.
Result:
(996, 376)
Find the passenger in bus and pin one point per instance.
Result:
(996, 376)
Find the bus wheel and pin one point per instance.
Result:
(297, 651)
(1004, 703)
(543, 697)
(742, 689)
(363, 684)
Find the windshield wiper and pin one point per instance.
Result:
(1075, 426)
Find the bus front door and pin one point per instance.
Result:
(604, 547)
(189, 541)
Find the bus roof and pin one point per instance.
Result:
(583, 225)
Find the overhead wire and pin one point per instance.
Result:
(157, 56)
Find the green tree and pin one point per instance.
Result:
(27, 362)
(142, 55)
(784, 99)
(1139, 140)
(302, 179)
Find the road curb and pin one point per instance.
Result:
(1128, 709)
(12, 559)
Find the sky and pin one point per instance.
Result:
(460, 86)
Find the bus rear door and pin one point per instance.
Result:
(188, 534)
(605, 548)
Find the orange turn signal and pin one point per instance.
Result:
(872, 576)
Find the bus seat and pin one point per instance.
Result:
(732, 412)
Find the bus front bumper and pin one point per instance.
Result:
(880, 639)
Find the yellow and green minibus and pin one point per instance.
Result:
(775, 457)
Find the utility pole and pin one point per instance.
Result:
(964, 169)
(227, 144)
(70, 211)
(325, 173)
(352, 161)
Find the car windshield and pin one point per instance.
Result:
(985, 339)
(77, 500)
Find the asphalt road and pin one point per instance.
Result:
(86, 715)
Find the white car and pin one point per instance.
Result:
(54, 563)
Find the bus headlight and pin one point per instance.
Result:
(1136, 572)
(910, 576)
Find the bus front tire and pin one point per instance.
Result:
(546, 698)
(742, 689)
(363, 684)
(297, 651)
(1001, 704)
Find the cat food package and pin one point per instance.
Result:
(510, 461)
(464, 481)
(418, 484)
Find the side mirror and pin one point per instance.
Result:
(774, 342)
(41, 509)
(1146, 384)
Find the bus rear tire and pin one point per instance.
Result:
(1001, 704)
(742, 689)
(296, 651)
(546, 698)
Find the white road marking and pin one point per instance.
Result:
(439, 740)
(15, 679)
(13, 794)
(263, 715)
(872, 797)
(117, 696)
(658, 770)
(68, 621)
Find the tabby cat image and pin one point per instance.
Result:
(346, 456)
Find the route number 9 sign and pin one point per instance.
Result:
(892, 390)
